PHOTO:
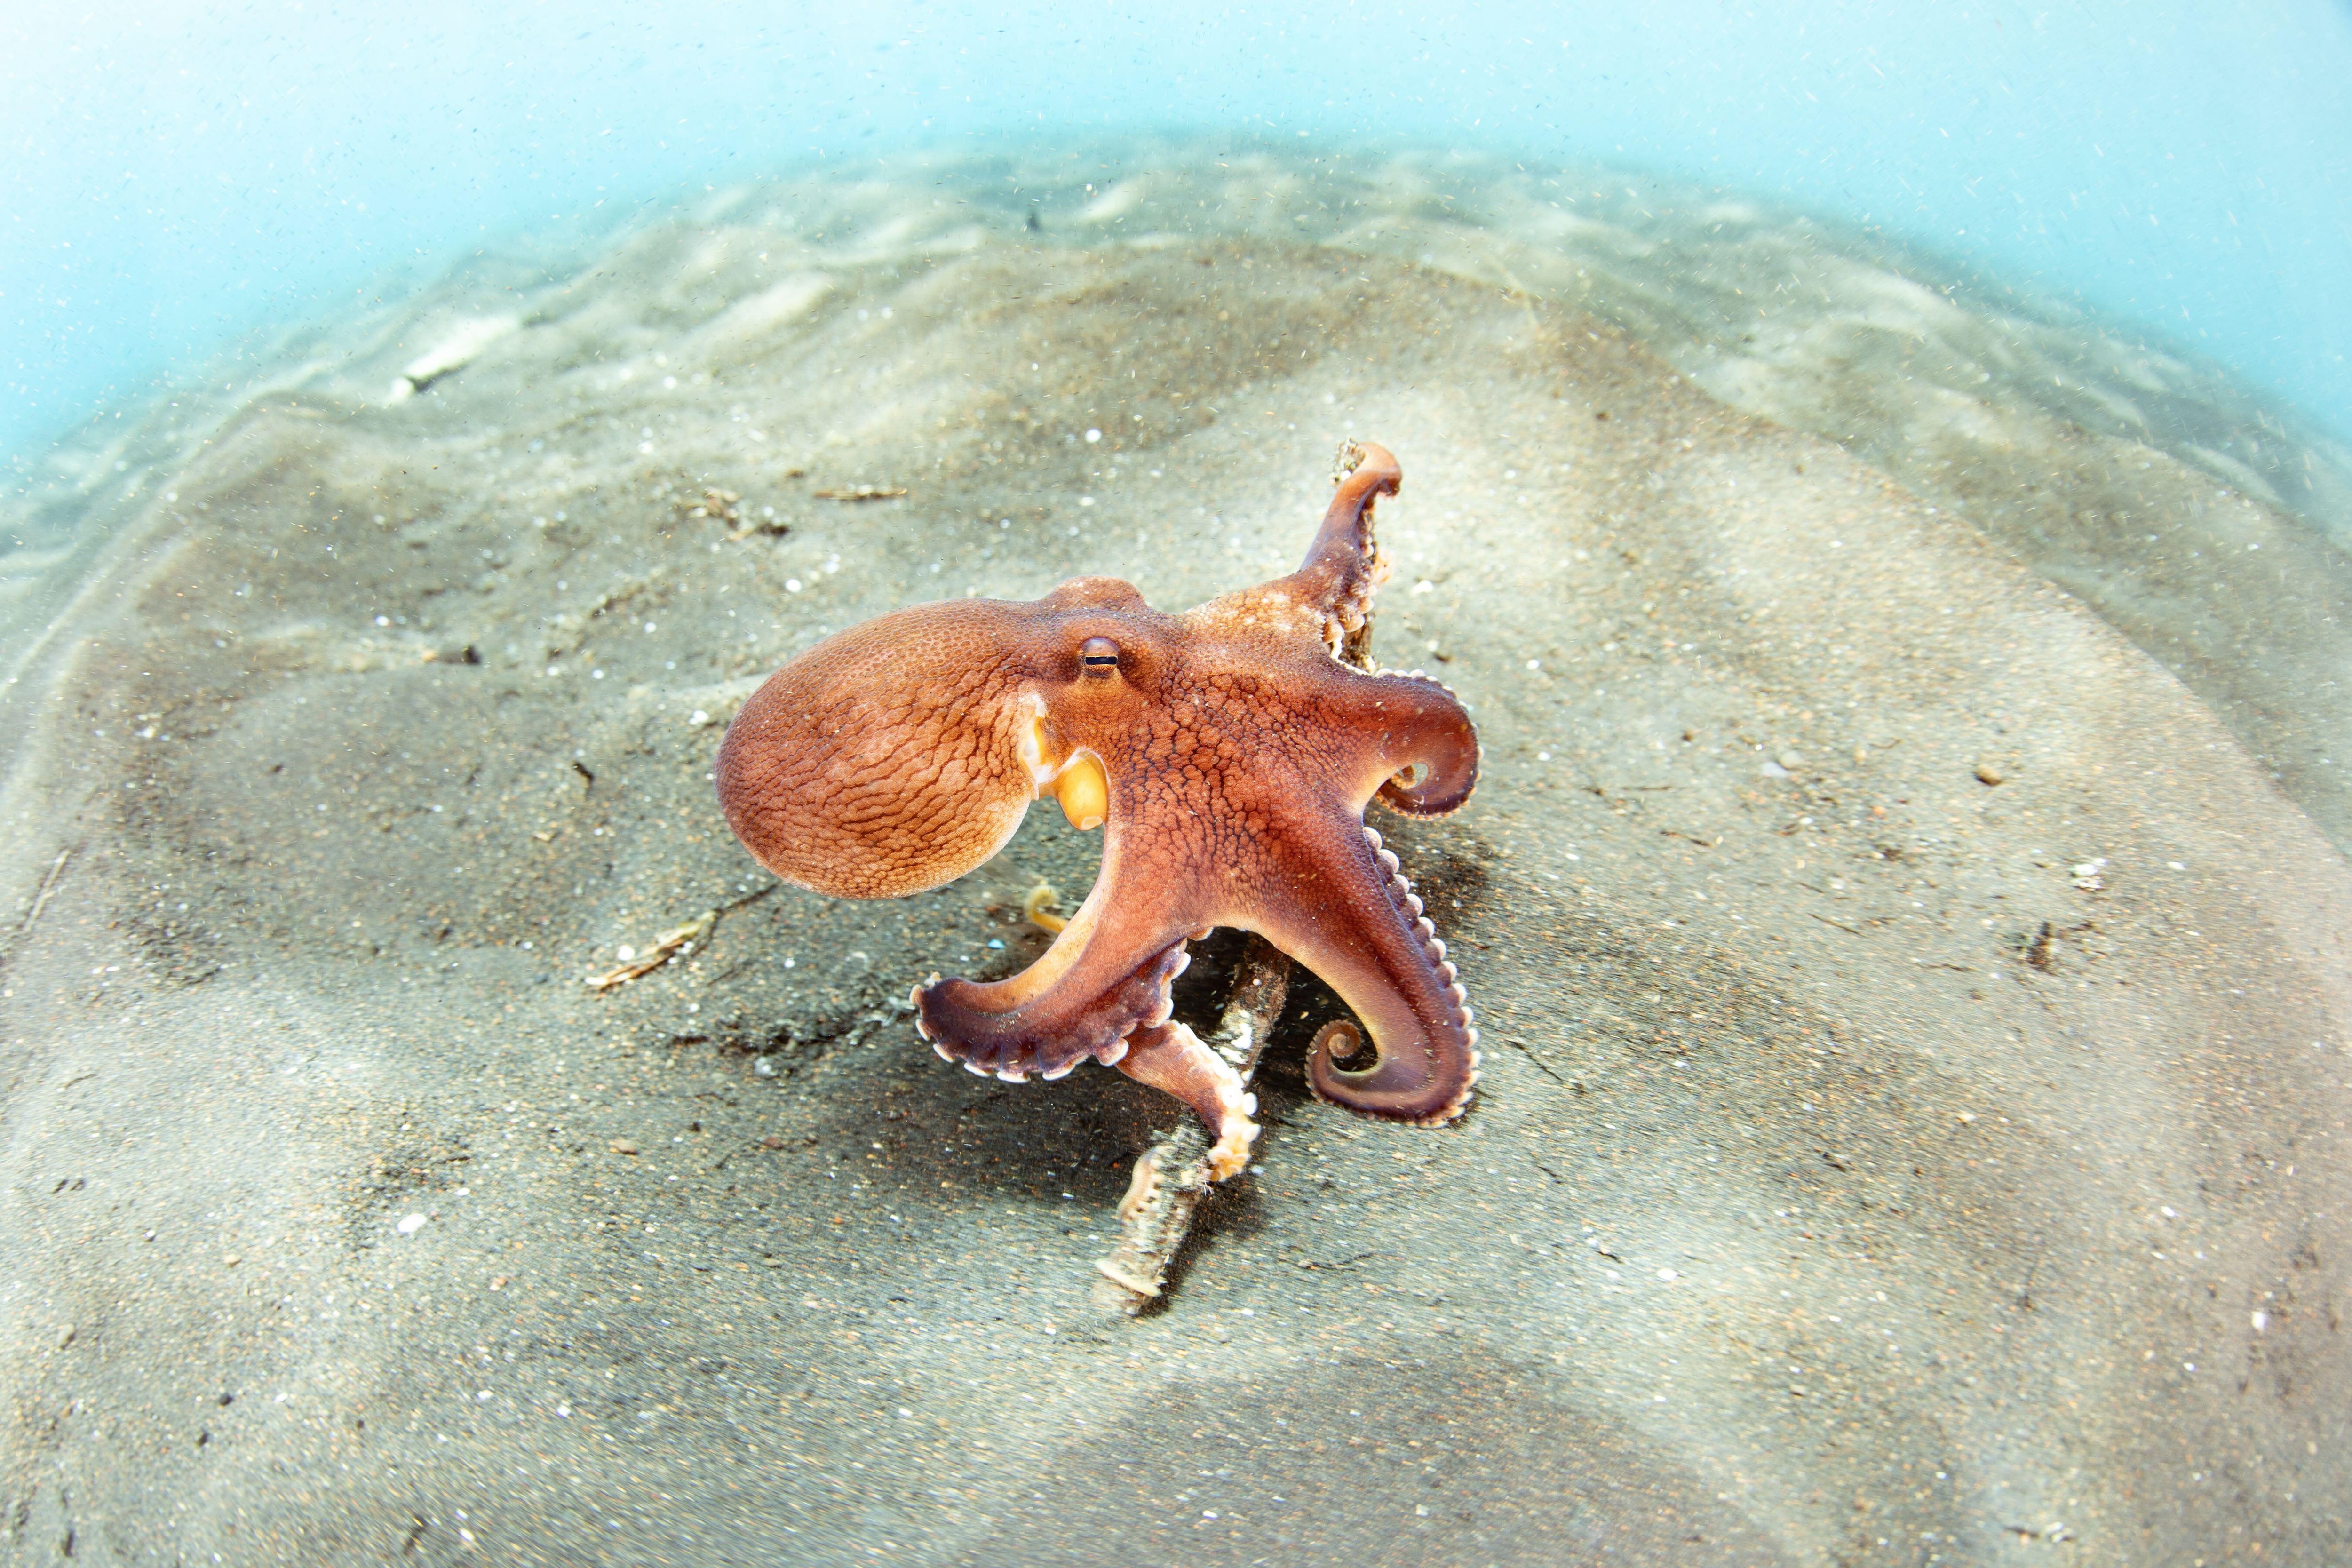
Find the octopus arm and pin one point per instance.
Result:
(1364, 935)
(1106, 976)
(1420, 749)
(1341, 571)
(1174, 1061)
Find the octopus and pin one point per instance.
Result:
(1229, 755)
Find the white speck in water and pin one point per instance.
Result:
(1085, 501)
(624, 952)
(792, 585)
(1093, 436)
(1535, 664)
(699, 718)
(410, 1224)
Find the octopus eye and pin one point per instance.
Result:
(1098, 656)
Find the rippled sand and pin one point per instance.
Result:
(1865, 1150)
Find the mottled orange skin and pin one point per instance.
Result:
(1240, 752)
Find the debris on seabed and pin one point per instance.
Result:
(49, 886)
(667, 946)
(862, 492)
(768, 523)
(717, 503)
(670, 944)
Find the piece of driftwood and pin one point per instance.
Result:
(1171, 1177)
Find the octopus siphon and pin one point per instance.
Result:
(1229, 755)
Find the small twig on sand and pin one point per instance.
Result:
(49, 886)
(671, 943)
(1172, 1178)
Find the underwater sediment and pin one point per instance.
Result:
(1913, 987)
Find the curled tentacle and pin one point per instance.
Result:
(1435, 750)
(1391, 1087)
(1398, 981)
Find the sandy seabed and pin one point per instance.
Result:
(1911, 943)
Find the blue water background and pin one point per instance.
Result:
(179, 174)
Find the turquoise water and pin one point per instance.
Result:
(184, 180)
